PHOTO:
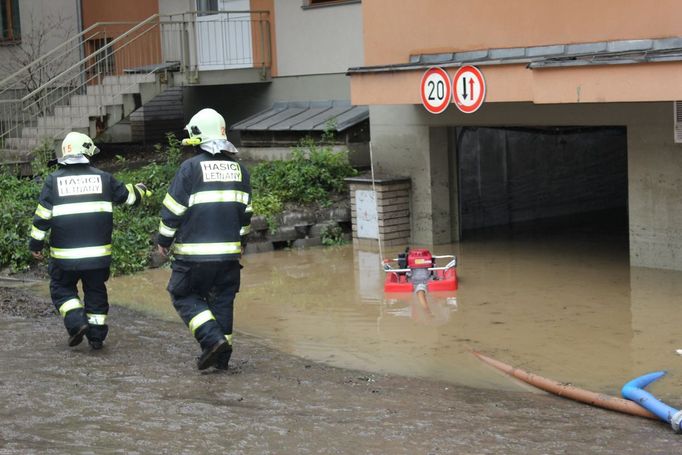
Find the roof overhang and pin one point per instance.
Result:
(305, 116)
(581, 54)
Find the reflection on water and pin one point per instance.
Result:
(565, 305)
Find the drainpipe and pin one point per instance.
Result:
(79, 20)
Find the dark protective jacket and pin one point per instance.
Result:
(207, 209)
(75, 206)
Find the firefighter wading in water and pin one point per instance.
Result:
(76, 206)
(207, 212)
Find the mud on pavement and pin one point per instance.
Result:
(141, 394)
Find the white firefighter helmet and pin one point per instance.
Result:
(76, 147)
(206, 125)
(207, 130)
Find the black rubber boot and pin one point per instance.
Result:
(96, 344)
(76, 336)
(211, 354)
(223, 359)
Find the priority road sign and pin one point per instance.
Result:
(468, 88)
(435, 90)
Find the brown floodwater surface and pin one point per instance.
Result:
(564, 304)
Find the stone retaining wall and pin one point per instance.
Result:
(300, 227)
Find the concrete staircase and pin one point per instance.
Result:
(101, 107)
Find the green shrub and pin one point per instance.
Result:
(332, 235)
(269, 206)
(17, 205)
(134, 227)
(308, 177)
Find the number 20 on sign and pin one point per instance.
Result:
(436, 91)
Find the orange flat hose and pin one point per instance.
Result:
(569, 391)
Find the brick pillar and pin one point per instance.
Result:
(391, 222)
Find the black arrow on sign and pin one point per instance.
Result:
(464, 85)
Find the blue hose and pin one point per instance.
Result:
(634, 390)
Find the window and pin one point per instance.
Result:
(11, 26)
(205, 7)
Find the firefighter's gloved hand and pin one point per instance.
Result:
(142, 191)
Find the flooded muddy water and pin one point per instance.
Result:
(565, 305)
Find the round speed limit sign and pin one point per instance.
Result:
(435, 90)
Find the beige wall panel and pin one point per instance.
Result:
(176, 6)
(609, 83)
(319, 40)
(50, 22)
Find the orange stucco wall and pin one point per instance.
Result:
(144, 50)
(119, 10)
(393, 30)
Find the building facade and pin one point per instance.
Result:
(578, 94)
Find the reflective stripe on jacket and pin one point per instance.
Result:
(207, 209)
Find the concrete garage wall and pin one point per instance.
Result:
(655, 192)
(403, 146)
(514, 175)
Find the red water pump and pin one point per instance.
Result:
(419, 258)
(417, 271)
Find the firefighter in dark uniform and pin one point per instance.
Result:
(75, 206)
(207, 213)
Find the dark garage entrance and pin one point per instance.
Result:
(542, 178)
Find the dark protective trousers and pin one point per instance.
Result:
(203, 294)
(95, 305)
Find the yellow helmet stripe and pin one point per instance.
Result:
(82, 207)
(69, 305)
(200, 319)
(208, 248)
(81, 253)
(174, 206)
(204, 197)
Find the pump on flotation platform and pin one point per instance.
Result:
(417, 271)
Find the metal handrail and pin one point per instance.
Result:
(85, 60)
(99, 51)
(448, 266)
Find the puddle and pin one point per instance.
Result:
(566, 306)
